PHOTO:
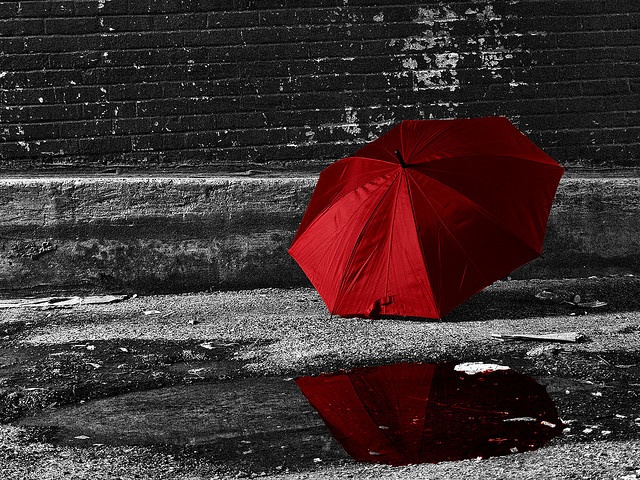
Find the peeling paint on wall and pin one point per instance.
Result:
(350, 124)
(434, 56)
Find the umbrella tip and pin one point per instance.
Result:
(400, 159)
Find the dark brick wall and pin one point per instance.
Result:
(231, 84)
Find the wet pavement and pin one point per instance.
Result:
(214, 383)
(395, 414)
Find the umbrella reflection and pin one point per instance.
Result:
(420, 412)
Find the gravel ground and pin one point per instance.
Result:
(289, 332)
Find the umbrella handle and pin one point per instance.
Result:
(400, 159)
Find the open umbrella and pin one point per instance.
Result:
(421, 412)
(424, 217)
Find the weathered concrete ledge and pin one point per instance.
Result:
(172, 234)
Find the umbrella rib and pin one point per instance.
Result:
(449, 231)
(430, 142)
(336, 199)
(322, 212)
(359, 240)
(426, 293)
(366, 409)
(393, 219)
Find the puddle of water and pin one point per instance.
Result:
(256, 424)
(396, 414)
(418, 413)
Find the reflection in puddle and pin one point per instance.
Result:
(417, 413)
(397, 414)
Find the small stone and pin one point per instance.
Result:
(543, 350)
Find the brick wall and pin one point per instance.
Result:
(296, 84)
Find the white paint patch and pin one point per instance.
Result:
(379, 17)
(351, 121)
(431, 16)
(25, 145)
(473, 368)
(488, 14)
(492, 60)
(447, 60)
(443, 52)
(3, 74)
(416, 43)
(101, 3)
(435, 79)
(410, 63)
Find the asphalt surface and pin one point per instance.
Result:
(79, 362)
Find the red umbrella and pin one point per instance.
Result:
(417, 413)
(424, 217)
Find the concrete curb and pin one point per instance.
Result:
(171, 234)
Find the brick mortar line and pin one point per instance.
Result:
(296, 129)
(107, 33)
(346, 55)
(395, 72)
(357, 143)
(17, 124)
(253, 26)
(160, 101)
(248, 97)
(371, 7)
(328, 58)
(305, 76)
(266, 129)
(165, 117)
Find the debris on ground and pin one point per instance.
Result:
(543, 350)
(47, 303)
(590, 304)
(569, 298)
(571, 337)
(559, 296)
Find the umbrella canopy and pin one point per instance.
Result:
(419, 413)
(424, 217)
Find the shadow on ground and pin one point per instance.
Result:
(517, 299)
